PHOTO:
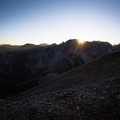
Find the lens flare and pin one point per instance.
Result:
(81, 41)
(80, 44)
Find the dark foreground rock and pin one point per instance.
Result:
(89, 92)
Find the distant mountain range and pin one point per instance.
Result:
(8, 48)
(23, 67)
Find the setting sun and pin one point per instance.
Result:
(81, 41)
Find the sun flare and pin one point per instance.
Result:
(81, 41)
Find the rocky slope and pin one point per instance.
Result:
(89, 92)
(25, 67)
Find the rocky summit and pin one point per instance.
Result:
(88, 92)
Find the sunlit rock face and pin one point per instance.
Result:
(21, 68)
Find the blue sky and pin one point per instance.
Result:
(54, 21)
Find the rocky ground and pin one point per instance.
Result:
(89, 92)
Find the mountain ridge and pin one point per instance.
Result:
(24, 69)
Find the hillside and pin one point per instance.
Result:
(88, 92)
(31, 65)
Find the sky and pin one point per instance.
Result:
(55, 21)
